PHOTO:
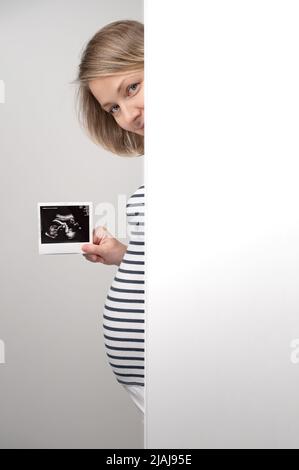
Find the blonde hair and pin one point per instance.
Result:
(115, 49)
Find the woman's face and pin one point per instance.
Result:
(123, 97)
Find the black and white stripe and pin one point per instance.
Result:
(124, 317)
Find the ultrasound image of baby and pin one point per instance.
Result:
(63, 227)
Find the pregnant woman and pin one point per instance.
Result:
(111, 109)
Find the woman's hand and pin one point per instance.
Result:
(105, 248)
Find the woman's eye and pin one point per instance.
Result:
(133, 84)
(110, 112)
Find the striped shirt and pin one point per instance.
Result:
(123, 319)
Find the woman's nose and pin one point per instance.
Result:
(132, 115)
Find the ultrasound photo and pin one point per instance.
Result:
(64, 224)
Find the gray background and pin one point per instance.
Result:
(56, 387)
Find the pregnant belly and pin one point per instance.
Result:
(123, 323)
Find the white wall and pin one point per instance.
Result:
(222, 224)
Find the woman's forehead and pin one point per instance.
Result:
(115, 78)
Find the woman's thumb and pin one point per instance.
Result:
(99, 233)
(92, 249)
